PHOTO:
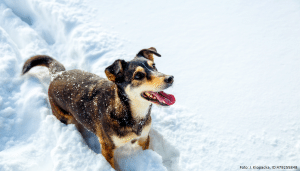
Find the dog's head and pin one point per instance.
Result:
(140, 79)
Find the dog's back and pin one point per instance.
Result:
(79, 92)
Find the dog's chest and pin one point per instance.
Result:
(131, 137)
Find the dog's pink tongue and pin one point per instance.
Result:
(161, 96)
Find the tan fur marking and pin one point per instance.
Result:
(155, 82)
(150, 63)
(108, 153)
(107, 149)
(144, 143)
(59, 114)
(136, 83)
(148, 55)
(139, 69)
(110, 76)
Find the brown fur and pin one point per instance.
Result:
(148, 53)
(112, 109)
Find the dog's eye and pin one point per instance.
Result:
(139, 76)
(154, 66)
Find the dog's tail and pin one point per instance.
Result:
(43, 60)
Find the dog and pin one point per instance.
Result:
(117, 109)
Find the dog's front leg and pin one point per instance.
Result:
(108, 153)
(144, 142)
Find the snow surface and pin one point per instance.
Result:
(236, 68)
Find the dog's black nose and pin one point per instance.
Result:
(169, 79)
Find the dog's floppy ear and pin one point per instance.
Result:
(148, 53)
(115, 70)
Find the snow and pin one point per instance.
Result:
(236, 70)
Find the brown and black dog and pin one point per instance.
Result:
(116, 110)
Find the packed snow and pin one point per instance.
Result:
(236, 68)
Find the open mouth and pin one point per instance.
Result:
(160, 98)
